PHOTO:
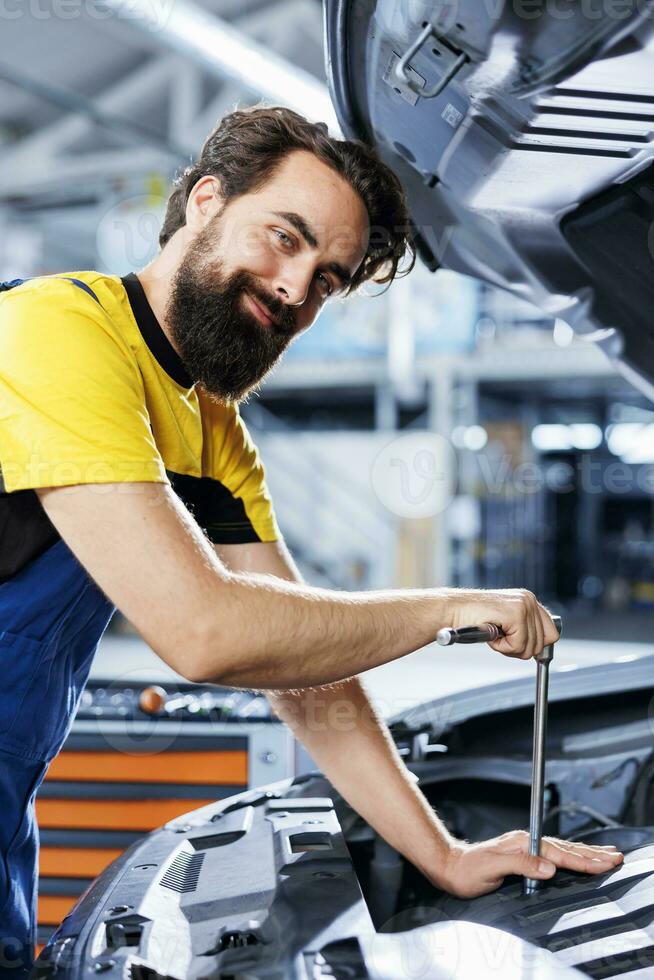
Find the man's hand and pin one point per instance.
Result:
(474, 869)
(527, 625)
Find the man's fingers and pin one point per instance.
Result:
(482, 867)
(512, 857)
(539, 633)
(536, 628)
(582, 862)
(545, 866)
(580, 857)
(501, 864)
(513, 644)
(579, 846)
(551, 634)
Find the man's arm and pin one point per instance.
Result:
(145, 551)
(352, 745)
(143, 548)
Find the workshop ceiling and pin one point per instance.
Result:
(78, 78)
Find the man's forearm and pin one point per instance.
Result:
(283, 635)
(352, 745)
(349, 741)
(343, 733)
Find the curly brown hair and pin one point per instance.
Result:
(247, 146)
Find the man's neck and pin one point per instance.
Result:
(156, 279)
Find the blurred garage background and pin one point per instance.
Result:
(441, 434)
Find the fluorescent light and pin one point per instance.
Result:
(623, 437)
(475, 437)
(585, 435)
(633, 442)
(556, 436)
(550, 437)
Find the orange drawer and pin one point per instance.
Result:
(111, 814)
(164, 767)
(75, 862)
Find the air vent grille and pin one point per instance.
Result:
(182, 876)
(591, 123)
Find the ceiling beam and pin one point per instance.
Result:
(224, 51)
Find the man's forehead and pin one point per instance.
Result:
(320, 200)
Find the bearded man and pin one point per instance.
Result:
(128, 480)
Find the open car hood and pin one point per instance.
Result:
(522, 135)
(287, 881)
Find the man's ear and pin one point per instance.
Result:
(204, 202)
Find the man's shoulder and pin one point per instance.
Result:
(76, 287)
(67, 324)
(83, 296)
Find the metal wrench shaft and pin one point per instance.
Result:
(538, 756)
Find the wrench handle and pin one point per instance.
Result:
(485, 633)
(469, 634)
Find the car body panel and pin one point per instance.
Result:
(531, 169)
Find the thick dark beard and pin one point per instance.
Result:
(221, 344)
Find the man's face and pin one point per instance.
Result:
(259, 271)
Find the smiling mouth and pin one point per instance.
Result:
(260, 312)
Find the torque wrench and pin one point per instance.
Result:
(543, 661)
(486, 633)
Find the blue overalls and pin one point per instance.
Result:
(52, 616)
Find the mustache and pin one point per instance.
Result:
(223, 345)
(284, 316)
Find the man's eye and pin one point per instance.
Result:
(283, 237)
(325, 284)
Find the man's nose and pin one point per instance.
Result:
(292, 285)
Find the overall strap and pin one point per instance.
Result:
(11, 283)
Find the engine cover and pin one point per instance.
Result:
(603, 926)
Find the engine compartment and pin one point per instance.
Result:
(601, 925)
(599, 776)
(288, 881)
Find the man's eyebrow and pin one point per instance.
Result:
(300, 225)
(309, 236)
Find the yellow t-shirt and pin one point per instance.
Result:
(92, 391)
